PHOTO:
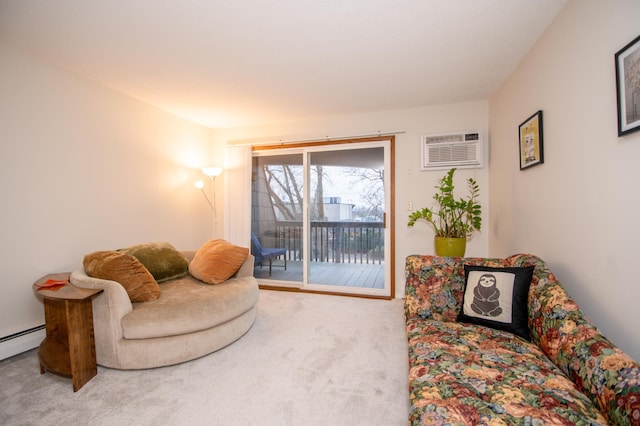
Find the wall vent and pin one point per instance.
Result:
(443, 151)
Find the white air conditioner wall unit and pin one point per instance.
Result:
(444, 151)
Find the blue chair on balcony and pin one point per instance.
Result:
(262, 253)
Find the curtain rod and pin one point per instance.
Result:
(245, 142)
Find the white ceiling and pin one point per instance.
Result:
(250, 62)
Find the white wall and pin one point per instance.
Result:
(411, 184)
(578, 210)
(84, 168)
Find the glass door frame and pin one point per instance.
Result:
(388, 144)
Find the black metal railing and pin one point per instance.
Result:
(337, 242)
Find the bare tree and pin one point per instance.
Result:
(317, 203)
(371, 184)
(284, 185)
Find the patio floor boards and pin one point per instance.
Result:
(341, 274)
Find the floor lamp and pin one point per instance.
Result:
(212, 173)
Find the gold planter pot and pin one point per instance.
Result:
(450, 247)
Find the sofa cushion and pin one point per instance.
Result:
(217, 261)
(161, 259)
(187, 305)
(497, 298)
(470, 374)
(124, 269)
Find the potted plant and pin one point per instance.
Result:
(453, 220)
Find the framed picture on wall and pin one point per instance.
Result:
(530, 136)
(628, 87)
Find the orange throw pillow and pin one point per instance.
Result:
(217, 260)
(124, 269)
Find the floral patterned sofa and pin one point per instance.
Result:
(467, 374)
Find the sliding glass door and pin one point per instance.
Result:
(319, 217)
(277, 204)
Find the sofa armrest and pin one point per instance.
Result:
(109, 307)
(601, 370)
(246, 270)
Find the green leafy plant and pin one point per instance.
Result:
(452, 218)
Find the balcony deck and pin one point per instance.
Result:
(341, 274)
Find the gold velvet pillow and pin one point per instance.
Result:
(124, 269)
(217, 260)
(162, 260)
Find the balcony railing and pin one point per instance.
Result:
(337, 242)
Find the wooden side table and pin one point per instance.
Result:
(69, 348)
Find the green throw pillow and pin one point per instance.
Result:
(161, 259)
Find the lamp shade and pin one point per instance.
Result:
(212, 171)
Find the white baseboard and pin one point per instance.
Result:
(21, 342)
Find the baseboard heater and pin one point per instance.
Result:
(21, 341)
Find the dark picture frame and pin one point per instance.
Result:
(628, 87)
(530, 137)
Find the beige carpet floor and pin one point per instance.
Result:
(308, 360)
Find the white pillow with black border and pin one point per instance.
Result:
(497, 298)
